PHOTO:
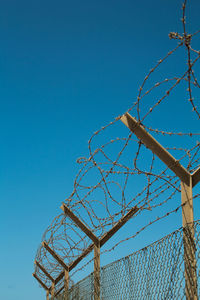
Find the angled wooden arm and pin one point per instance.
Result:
(44, 271)
(60, 290)
(196, 177)
(75, 262)
(55, 255)
(80, 224)
(60, 276)
(102, 241)
(117, 226)
(156, 148)
(84, 254)
(40, 282)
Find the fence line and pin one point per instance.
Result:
(154, 272)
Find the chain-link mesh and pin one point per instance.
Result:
(155, 272)
(83, 290)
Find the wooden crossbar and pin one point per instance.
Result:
(117, 226)
(60, 276)
(102, 241)
(44, 271)
(156, 148)
(40, 282)
(196, 177)
(60, 290)
(84, 254)
(55, 255)
(75, 262)
(80, 224)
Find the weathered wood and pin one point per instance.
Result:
(156, 148)
(120, 223)
(52, 291)
(44, 271)
(189, 241)
(80, 224)
(97, 272)
(187, 202)
(196, 177)
(84, 254)
(106, 237)
(55, 255)
(75, 262)
(41, 283)
(66, 284)
(47, 295)
(103, 240)
(60, 290)
(60, 276)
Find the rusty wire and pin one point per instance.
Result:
(120, 172)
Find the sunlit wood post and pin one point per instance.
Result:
(189, 241)
(47, 295)
(66, 284)
(97, 271)
(52, 291)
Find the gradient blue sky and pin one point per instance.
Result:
(66, 69)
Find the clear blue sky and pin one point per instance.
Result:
(66, 69)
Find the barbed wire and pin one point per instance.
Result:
(120, 172)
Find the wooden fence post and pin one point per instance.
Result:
(189, 241)
(66, 284)
(52, 291)
(97, 272)
(47, 295)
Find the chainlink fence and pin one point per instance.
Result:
(155, 272)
